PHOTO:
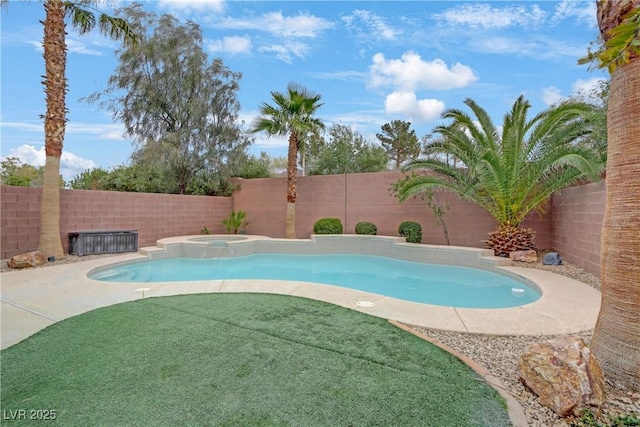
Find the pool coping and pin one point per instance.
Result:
(33, 299)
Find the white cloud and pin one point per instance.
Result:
(583, 11)
(231, 44)
(287, 50)
(338, 75)
(81, 48)
(36, 44)
(70, 164)
(287, 30)
(377, 29)
(589, 90)
(26, 33)
(587, 86)
(112, 132)
(28, 154)
(501, 44)
(552, 95)
(190, 6)
(406, 103)
(73, 46)
(540, 48)
(410, 73)
(367, 122)
(486, 17)
(303, 25)
(29, 127)
(272, 142)
(584, 89)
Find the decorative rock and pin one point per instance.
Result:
(525, 256)
(552, 258)
(564, 375)
(29, 259)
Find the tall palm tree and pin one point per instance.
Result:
(55, 87)
(510, 171)
(616, 338)
(293, 115)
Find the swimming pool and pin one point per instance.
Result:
(436, 284)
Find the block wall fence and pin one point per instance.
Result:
(571, 225)
(154, 215)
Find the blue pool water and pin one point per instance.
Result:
(426, 283)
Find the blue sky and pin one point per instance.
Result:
(372, 62)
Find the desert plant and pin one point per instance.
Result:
(328, 226)
(205, 230)
(429, 195)
(411, 230)
(508, 238)
(439, 210)
(236, 222)
(366, 228)
(509, 170)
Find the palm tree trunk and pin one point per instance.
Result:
(50, 243)
(292, 178)
(616, 339)
(55, 57)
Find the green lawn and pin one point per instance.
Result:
(240, 360)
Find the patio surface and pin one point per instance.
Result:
(33, 299)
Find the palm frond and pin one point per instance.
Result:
(117, 29)
(84, 20)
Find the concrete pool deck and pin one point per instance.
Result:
(31, 300)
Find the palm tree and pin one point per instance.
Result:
(55, 87)
(292, 115)
(510, 171)
(616, 338)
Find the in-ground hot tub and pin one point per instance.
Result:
(217, 240)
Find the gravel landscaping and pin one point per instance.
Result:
(501, 354)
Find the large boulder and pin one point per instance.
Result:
(524, 256)
(29, 259)
(564, 375)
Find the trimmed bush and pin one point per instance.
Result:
(366, 228)
(411, 230)
(328, 226)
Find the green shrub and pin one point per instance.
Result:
(328, 226)
(366, 228)
(411, 230)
